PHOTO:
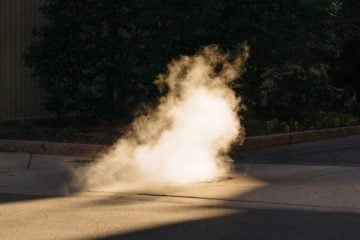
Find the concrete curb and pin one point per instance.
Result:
(51, 148)
(251, 143)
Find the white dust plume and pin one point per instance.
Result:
(187, 137)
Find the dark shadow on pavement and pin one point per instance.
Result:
(10, 197)
(32, 185)
(257, 224)
(338, 151)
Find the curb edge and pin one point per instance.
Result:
(250, 143)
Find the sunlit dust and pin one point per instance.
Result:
(186, 138)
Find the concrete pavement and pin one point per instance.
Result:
(255, 201)
(338, 151)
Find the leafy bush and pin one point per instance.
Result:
(299, 94)
(335, 119)
(271, 125)
(99, 58)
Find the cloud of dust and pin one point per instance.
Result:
(186, 138)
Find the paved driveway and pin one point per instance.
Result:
(256, 201)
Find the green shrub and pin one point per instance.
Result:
(335, 119)
(99, 58)
(271, 125)
(299, 94)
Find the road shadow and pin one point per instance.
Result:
(25, 185)
(251, 224)
(338, 151)
(11, 197)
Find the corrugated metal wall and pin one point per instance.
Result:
(19, 94)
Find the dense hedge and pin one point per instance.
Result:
(98, 58)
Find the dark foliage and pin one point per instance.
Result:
(98, 58)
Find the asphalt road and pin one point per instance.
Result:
(313, 200)
(96, 217)
(339, 151)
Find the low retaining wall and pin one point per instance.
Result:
(53, 148)
(298, 137)
(91, 150)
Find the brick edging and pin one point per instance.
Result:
(90, 150)
(298, 137)
(39, 147)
